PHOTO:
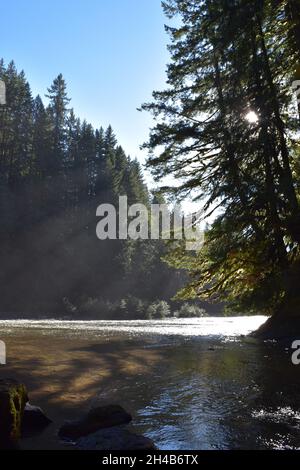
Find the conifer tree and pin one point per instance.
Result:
(231, 61)
(54, 172)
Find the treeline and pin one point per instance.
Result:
(133, 308)
(54, 172)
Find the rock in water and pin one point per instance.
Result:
(97, 418)
(13, 397)
(115, 439)
(34, 419)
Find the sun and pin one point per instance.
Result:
(252, 117)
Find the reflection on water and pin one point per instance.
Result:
(210, 326)
(190, 384)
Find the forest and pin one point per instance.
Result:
(227, 131)
(55, 171)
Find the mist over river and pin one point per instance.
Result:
(189, 383)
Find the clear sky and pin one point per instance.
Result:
(112, 54)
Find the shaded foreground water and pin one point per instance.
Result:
(190, 384)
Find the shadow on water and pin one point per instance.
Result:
(185, 392)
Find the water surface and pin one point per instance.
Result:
(190, 384)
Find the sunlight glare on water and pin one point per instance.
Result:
(208, 326)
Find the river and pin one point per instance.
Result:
(189, 383)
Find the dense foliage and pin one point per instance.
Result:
(228, 127)
(54, 172)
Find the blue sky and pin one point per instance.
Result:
(112, 53)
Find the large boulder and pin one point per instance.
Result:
(97, 418)
(34, 420)
(13, 397)
(116, 438)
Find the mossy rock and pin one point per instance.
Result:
(13, 397)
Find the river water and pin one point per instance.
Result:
(189, 383)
